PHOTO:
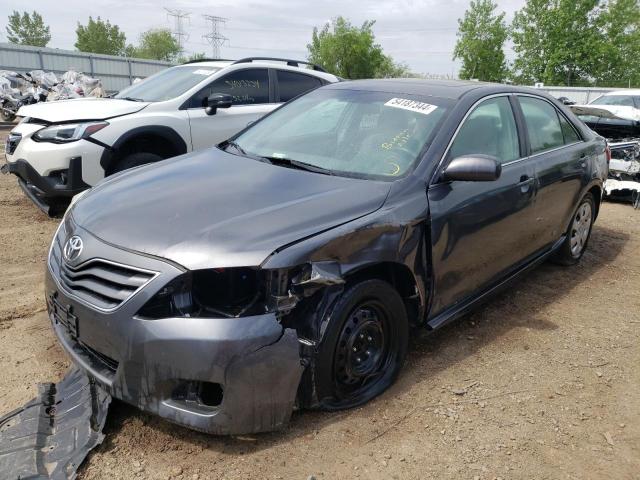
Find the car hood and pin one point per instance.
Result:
(80, 109)
(608, 111)
(212, 209)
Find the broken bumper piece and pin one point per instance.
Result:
(51, 435)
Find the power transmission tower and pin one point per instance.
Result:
(179, 17)
(214, 37)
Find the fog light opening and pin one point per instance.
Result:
(210, 394)
(205, 394)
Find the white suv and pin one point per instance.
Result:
(62, 148)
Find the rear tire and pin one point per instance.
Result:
(364, 347)
(135, 160)
(578, 233)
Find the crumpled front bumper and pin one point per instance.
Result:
(50, 191)
(158, 365)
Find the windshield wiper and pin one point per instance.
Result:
(131, 99)
(236, 146)
(288, 162)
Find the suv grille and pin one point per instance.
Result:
(101, 284)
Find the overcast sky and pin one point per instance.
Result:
(420, 33)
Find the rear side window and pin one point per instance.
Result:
(489, 130)
(543, 124)
(292, 84)
(247, 87)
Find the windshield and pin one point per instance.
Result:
(348, 132)
(167, 84)
(617, 100)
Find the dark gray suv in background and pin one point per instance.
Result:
(285, 268)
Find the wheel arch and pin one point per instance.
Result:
(399, 276)
(158, 139)
(596, 192)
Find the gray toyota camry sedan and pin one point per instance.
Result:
(285, 268)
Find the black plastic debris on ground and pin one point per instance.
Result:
(51, 435)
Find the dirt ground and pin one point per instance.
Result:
(543, 383)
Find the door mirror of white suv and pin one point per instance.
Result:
(216, 101)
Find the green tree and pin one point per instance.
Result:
(557, 41)
(191, 58)
(351, 52)
(158, 44)
(619, 60)
(100, 36)
(481, 37)
(28, 29)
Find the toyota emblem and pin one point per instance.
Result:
(73, 248)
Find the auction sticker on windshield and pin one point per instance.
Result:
(203, 72)
(412, 105)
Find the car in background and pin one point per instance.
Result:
(60, 149)
(616, 116)
(286, 266)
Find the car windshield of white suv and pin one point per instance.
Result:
(167, 84)
(618, 100)
(364, 134)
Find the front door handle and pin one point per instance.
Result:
(525, 183)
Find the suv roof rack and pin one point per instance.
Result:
(288, 61)
(198, 60)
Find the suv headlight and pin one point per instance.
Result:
(68, 132)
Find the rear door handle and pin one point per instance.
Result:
(582, 163)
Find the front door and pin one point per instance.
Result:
(252, 99)
(482, 230)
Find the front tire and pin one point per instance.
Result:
(578, 233)
(135, 160)
(364, 348)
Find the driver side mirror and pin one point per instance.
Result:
(473, 168)
(216, 101)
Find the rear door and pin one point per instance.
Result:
(559, 157)
(253, 97)
(481, 230)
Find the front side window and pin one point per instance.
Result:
(363, 134)
(167, 84)
(247, 87)
(489, 130)
(543, 124)
(291, 84)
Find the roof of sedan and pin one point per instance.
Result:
(453, 89)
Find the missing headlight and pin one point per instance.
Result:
(226, 292)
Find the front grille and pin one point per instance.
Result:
(99, 283)
(12, 143)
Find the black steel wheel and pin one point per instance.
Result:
(364, 346)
